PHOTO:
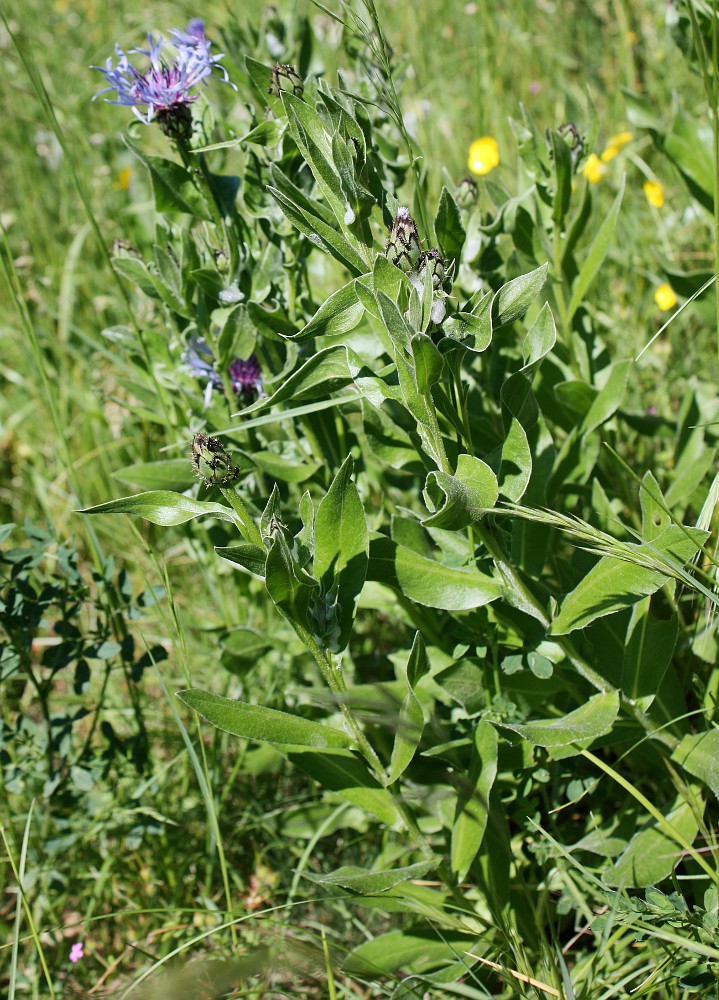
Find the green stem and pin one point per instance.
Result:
(714, 101)
(248, 529)
(396, 110)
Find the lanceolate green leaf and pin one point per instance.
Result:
(615, 583)
(341, 550)
(410, 950)
(473, 806)
(174, 474)
(349, 778)
(610, 398)
(250, 557)
(588, 722)
(647, 653)
(513, 299)
(321, 233)
(596, 255)
(449, 229)
(367, 883)
(411, 717)
(315, 142)
(338, 314)
(163, 507)
(327, 371)
(698, 754)
(652, 855)
(255, 722)
(426, 581)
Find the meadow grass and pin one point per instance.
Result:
(202, 845)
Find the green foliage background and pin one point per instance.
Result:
(509, 787)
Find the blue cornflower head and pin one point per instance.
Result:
(165, 90)
(199, 359)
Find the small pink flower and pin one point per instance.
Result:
(534, 87)
(76, 952)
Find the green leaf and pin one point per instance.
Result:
(410, 951)
(326, 371)
(162, 507)
(449, 229)
(463, 498)
(328, 238)
(250, 557)
(472, 330)
(315, 143)
(648, 652)
(689, 145)
(540, 339)
(597, 253)
(338, 314)
(291, 590)
(563, 171)
(173, 474)
(137, 271)
(586, 723)
(389, 279)
(426, 581)
(614, 583)
(341, 550)
(288, 469)
(266, 725)
(652, 855)
(411, 717)
(698, 754)
(267, 133)
(428, 362)
(394, 321)
(472, 812)
(519, 413)
(243, 647)
(513, 299)
(367, 883)
(610, 398)
(349, 778)
(173, 186)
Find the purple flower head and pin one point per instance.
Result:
(165, 89)
(246, 377)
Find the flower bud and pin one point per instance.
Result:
(213, 464)
(176, 122)
(467, 192)
(286, 77)
(432, 260)
(403, 247)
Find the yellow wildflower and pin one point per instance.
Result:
(616, 142)
(665, 297)
(594, 169)
(483, 155)
(123, 179)
(654, 192)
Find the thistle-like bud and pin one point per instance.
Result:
(176, 122)
(574, 139)
(432, 260)
(467, 192)
(213, 464)
(286, 77)
(403, 248)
